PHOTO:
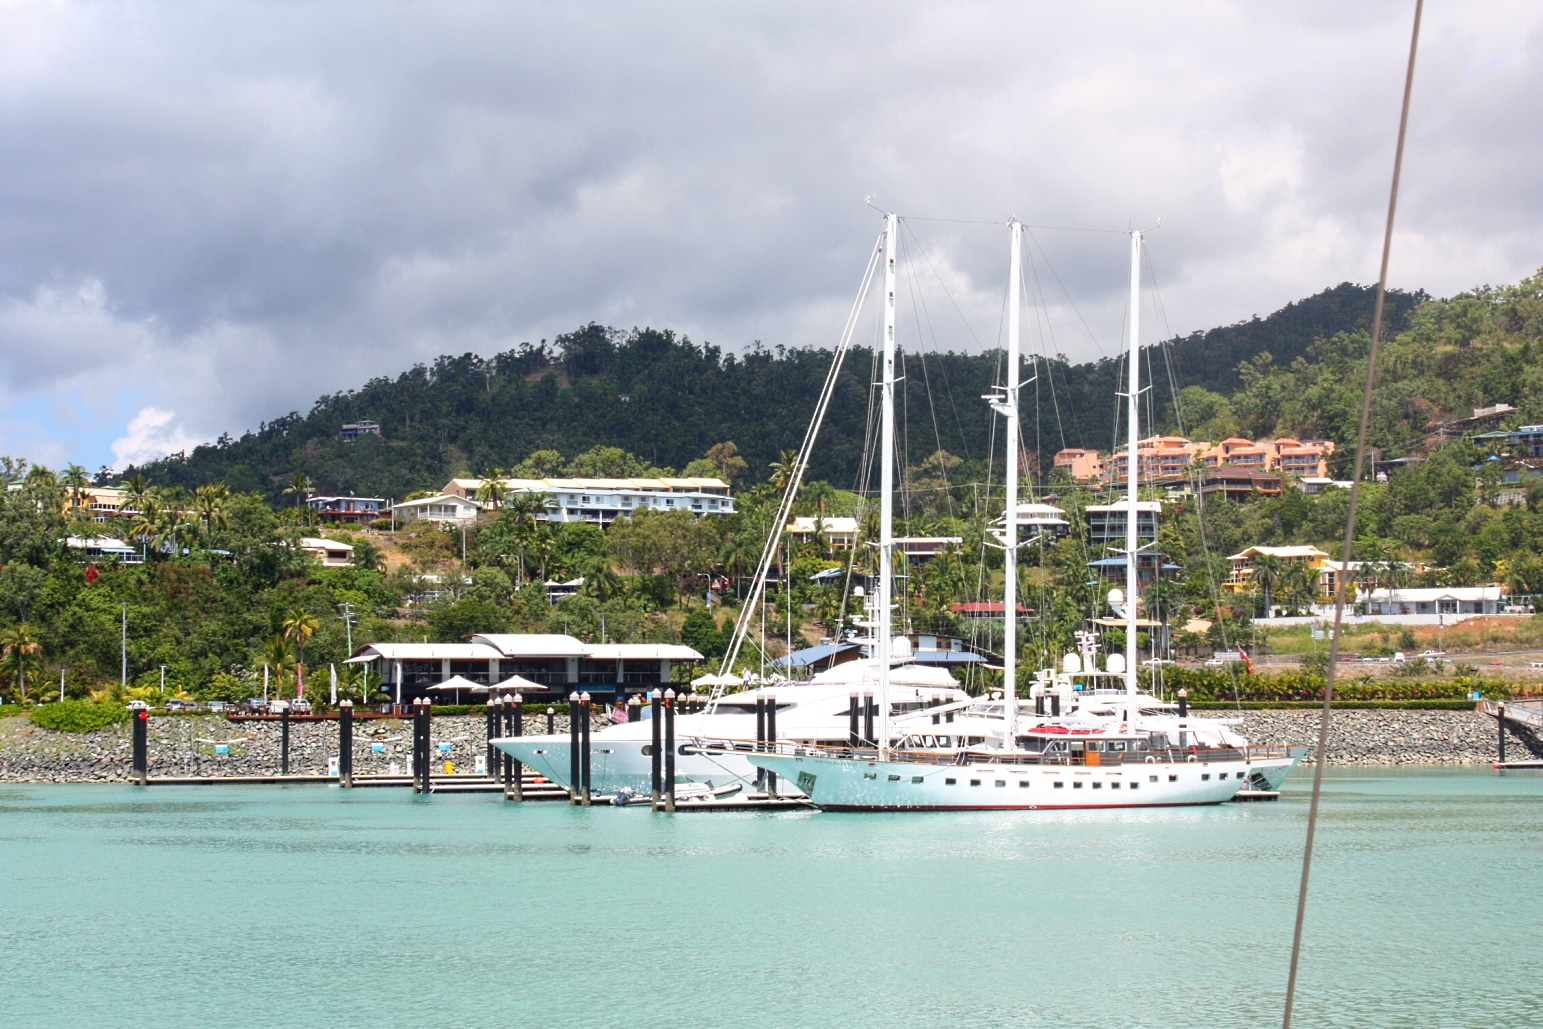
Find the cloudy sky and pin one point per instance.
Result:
(210, 214)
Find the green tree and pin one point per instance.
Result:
(301, 487)
(17, 643)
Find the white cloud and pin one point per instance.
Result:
(151, 434)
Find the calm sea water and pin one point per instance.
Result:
(309, 906)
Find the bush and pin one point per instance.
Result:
(78, 715)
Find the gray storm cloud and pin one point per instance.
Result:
(216, 213)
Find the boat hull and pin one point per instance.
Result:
(856, 784)
(619, 763)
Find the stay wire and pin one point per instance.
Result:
(1355, 496)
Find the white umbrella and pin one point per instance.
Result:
(518, 684)
(457, 683)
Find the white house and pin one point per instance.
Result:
(445, 507)
(602, 501)
(840, 533)
(1456, 600)
(331, 553)
(95, 547)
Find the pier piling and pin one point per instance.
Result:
(656, 713)
(1055, 705)
(346, 744)
(514, 725)
(852, 739)
(551, 714)
(1500, 723)
(1183, 703)
(284, 740)
(760, 739)
(585, 765)
(493, 716)
(139, 712)
(573, 746)
(669, 751)
(771, 739)
(870, 708)
(422, 733)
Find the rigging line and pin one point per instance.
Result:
(1355, 496)
(1048, 228)
(924, 316)
(1092, 336)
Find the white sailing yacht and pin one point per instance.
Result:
(1055, 763)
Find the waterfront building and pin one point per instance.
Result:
(559, 664)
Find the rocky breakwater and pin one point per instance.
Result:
(186, 745)
(1385, 736)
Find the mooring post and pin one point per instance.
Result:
(634, 708)
(551, 714)
(1500, 721)
(870, 708)
(1055, 705)
(346, 744)
(852, 721)
(771, 740)
(669, 751)
(760, 738)
(1183, 703)
(284, 739)
(584, 761)
(139, 713)
(514, 772)
(656, 714)
(493, 715)
(573, 747)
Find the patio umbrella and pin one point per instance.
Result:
(457, 684)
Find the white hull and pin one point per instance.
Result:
(843, 784)
(623, 762)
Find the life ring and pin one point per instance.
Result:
(1190, 759)
(1151, 760)
(1122, 727)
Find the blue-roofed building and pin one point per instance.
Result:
(926, 649)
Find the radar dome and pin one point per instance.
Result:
(1115, 664)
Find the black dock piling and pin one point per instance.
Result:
(346, 744)
(551, 714)
(514, 725)
(760, 738)
(1055, 705)
(870, 708)
(771, 740)
(656, 713)
(573, 747)
(1183, 703)
(634, 708)
(1500, 721)
(585, 765)
(852, 739)
(284, 740)
(669, 751)
(493, 717)
(422, 734)
(140, 713)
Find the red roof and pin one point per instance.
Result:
(986, 608)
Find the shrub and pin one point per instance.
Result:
(78, 715)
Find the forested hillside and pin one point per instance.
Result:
(668, 399)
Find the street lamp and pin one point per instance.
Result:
(163, 680)
(62, 670)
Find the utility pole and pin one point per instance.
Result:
(123, 650)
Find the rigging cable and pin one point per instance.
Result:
(1355, 496)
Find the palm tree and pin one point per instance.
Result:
(1269, 570)
(18, 643)
(299, 625)
(490, 494)
(301, 486)
(210, 504)
(76, 480)
(136, 490)
(782, 469)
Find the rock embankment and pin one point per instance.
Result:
(1386, 736)
(185, 746)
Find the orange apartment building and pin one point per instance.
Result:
(1081, 464)
(1169, 457)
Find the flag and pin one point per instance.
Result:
(1247, 661)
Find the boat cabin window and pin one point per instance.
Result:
(1077, 746)
(1114, 746)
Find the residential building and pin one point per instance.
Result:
(989, 610)
(331, 553)
(602, 501)
(1526, 441)
(353, 430)
(1316, 484)
(1464, 600)
(346, 510)
(104, 502)
(442, 508)
(1239, 484)
(838, 533)
(1298, 458)
(1080, 463)
(1158, 457)
(558, 664)
(924, 548)
(1149, 565)
(1240, 577)
(1106, 522)
(99, 548)
(1034, 520)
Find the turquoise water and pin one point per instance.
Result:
(309, 906)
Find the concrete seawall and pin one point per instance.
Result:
(1385, 736)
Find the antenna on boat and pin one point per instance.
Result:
(887, 478)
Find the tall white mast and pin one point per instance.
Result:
(1010, 516)
(887, 478)
(1132, 468)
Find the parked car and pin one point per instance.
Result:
(299, 707)
(1428, 654)
(216, 705)
(181, 705)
